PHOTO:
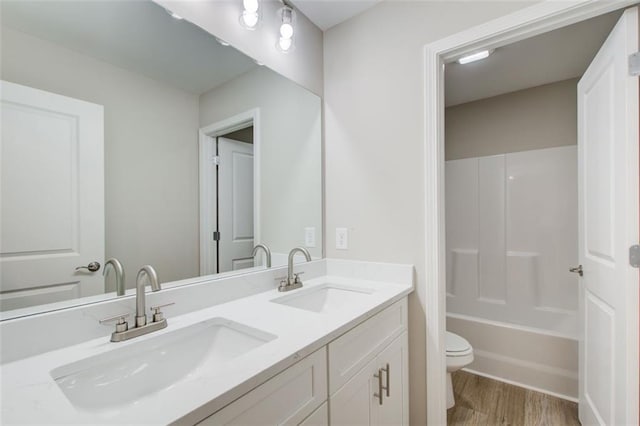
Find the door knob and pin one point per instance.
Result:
(92, 267)
(577, 270)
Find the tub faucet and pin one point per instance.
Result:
(267, 252)
(115, 264)
(293, 280)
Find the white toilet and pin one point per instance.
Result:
(459, 355)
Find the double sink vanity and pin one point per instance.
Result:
(166, 139)
(235, 351)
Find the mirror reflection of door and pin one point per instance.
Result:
(154, 194)
(235, 204)
(52, 183)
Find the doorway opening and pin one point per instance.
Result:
(511, 196)
(513, 28)
(229, 190)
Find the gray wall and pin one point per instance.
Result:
(291, 152)
(374, 115)
(151, 151)
(535, 118)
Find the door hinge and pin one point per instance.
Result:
(216, 235)
(634, 256)
(634, 64)
(216, 160)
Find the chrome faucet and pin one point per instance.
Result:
(293, 280)
(123, 332)
(115, 264)
(267, 252)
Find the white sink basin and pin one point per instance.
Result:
(124, 375)
(325, 298)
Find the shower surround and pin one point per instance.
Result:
(511, 236)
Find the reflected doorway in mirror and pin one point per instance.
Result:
(229, 190)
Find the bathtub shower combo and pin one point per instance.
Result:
(511, 236)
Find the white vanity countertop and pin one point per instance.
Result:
(30, 395)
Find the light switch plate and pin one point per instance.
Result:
(310, 237)
(342, 238)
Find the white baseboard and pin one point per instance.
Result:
(520, 385)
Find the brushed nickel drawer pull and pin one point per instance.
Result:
(388, 387)
(380, 387)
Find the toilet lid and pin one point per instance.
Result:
(456, 343)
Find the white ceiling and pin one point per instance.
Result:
(327, 13)
(554, 56)
(136, 35)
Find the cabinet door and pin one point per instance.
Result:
(320, 417)
(357, 403)
(354, 403)
(395, 401)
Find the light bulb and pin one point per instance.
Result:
(250, 5)
(249, 19)
(285, 44)
(286, 30)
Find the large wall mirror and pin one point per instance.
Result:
(130, 134)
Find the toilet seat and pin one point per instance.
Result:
(457, 345)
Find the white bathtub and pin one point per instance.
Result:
(532, 358)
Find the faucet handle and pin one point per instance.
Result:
(121, 325)
(157, 314)
(284, 282)
(296, 276)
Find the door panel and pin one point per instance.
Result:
(52, 207)
(235, 201)
(598, 157)
(608, 225)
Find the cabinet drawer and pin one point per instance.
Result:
(320, 417)
(287, 398)
(350, 352)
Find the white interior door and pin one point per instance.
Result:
(52, 197)
(235, 204)
(608, 226)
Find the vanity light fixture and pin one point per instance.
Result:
(285, 41)
(250, 15)
(475, 57)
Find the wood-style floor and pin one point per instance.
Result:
(483, 401)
